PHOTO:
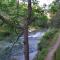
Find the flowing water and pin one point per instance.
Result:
(34, 39)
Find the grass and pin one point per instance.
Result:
(57, 57)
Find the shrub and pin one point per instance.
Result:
(47, 38)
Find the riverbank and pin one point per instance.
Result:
(52, 51)
(46, 42)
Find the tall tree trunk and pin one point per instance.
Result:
(29, 10)
(26, 43)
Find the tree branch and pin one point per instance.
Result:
(9, 22)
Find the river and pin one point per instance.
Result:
(17, 51)
(34, 39)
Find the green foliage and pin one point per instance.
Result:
(41, 21)
(49, 34)
(47, 38)
(4, 34)
(18, 13)
(57, 54)
(55, 21)
(46, 41)
(55, 14)
(42, 54)
(54, 7)
(41, 18)
(14, 13)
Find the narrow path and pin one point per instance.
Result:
(52, 50)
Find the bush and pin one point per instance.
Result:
(49, 34)
(42, 54)
(46, 39)
(57, 54)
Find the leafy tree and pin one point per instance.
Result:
(19, 16)
(55, 10)
(54, 7)
(41, 18)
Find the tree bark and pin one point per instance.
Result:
(26, 42)
(29, 10)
